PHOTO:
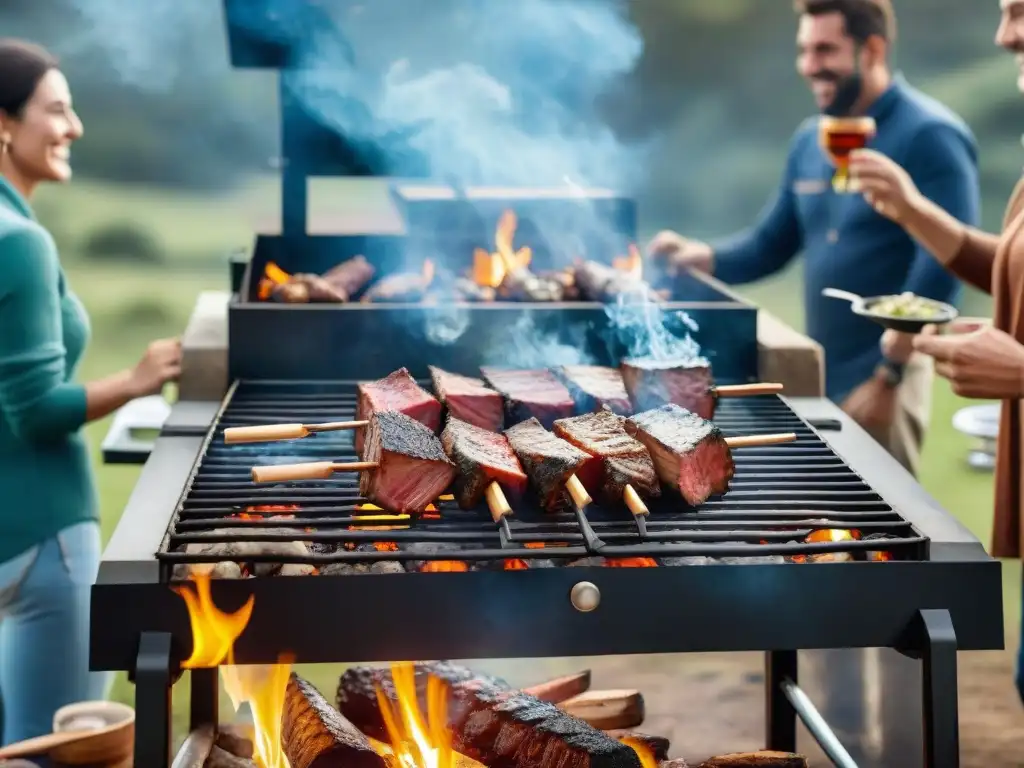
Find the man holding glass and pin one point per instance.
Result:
(843, 54)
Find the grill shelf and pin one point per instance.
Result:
(779, 495)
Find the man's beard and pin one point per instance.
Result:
(848, 90)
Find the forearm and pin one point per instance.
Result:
(967, 252)
(106, 395)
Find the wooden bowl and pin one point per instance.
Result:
(94, 733)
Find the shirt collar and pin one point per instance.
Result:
(883, 105)
(13, 199)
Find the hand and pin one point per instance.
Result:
(887, 187)
(680, 253)
(160, 364)
(899, 347)
(872, 405)
(981, 362)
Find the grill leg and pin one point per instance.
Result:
(780, 716)
(153, 700)
(204, 705)
(941, 718)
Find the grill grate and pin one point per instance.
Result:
(779, 495)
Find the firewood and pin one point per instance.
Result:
(757, 760)
(220, 758)
(607, 710)
(194, 750)
(234, 739)
(658, 745)
(561, 688)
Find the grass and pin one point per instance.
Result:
(132, 305)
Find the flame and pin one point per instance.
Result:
(490, 269)
(272, 275)
(831, 534)
(263, 688)
(513, 564)
(644, 752)
(213, 631)
(444, 566)
(374, 507)
(879, 557)
(631, 562)
(274, 508)
(632, 264)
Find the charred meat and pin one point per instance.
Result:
(550, 461)
(469, 399)
(690, 453)
(398, 391)
(531, 394)
(350, 277)
(480, 457)
(624, 460)
(315, 735)
(594, 387)
(653, 383)
(412, 467)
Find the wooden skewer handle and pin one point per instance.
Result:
(497, 502)
(747, 390)
(265, 434)
(633, 502)
(755, 441)
(579, 494)
(315, 470)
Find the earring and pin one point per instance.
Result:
(5, 143)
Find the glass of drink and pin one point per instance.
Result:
(839, 136)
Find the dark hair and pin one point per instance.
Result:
(864, 18)
(22, 66)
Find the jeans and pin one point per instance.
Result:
(44, 631)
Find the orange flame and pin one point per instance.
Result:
(444, 566)
(633, 263)
(513, 564)
(213, 631)
(263, 688)
(644, 752)
(490, 269)
(631, 562)
(272, 275)
(831, 534)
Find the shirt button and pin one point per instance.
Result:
(833, 236)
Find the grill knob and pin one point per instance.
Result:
(585, 596)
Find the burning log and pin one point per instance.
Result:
(607, 710)
(405, 287)
(523, 285)
(469, 399)
(350, 277)
(221, 758)
(552, 464)
(657, 746)
(306, 288)
(757, 760)
(604, 284)
(594, 387)
(235, 552)
(561, 688)
(235, 740)
(195, 749)
(537, 394)
(482, 459)
(690, 453)
(398, 391)
(315, 735)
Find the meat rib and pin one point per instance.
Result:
(495, 725)
(690, 453)
(469, 399)
(550, 461)
(531, 394)
(594, 387)
(412, 470)
(315, 735)
(653, 383)
(398, 391)
(624, 460)
(480, 457)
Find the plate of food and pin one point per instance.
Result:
(904, 312)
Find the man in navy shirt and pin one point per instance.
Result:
(843, 48)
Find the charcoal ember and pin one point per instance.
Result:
(687, 383)
(530, 394)
(430, 548)
(689, 452)
(357, 691)
(349, 569)
(235, 739)
(350, 277)
(469, 399)
(550, 462)
(288, 569)
(222, 758)
(594, 387)
(398, 391)
(587, 562)
(523, 285)
(766, 759)
(753, 560)
(880, 554)
(226, 569)
(242, 551)
(467, 290)
(481, 457)
(412, 468)
(405, 287)
(693, 560)
(512, 564)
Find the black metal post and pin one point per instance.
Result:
(941, 718)
(204, 704)
(153, 700)
(780, 715)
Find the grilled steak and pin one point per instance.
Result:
(469, 399)
(550, 461)
(502, 728)
(398, 391)
(594, 386)
(603, 283)
(412, 471)
(481, 457)
(537, 394)
(357, 696)
(315, 735)
(350, 277)
(689, 452)
(400, 288)
(652, 383)
(305, 288)
(625, 461)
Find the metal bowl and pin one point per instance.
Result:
(862, 305)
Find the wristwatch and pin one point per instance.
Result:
(890, 373)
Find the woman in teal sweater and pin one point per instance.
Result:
(49, 530)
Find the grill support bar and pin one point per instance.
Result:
(204, 701)
(153, 680)
(780, 713)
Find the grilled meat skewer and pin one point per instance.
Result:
(398, 391)
(484, 462)
(469, 399)
(531, 394)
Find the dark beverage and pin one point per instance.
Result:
(840, 136)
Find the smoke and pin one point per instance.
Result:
(639, 327)
(525, 344)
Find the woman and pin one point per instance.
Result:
(49, 530)
(980, 360)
